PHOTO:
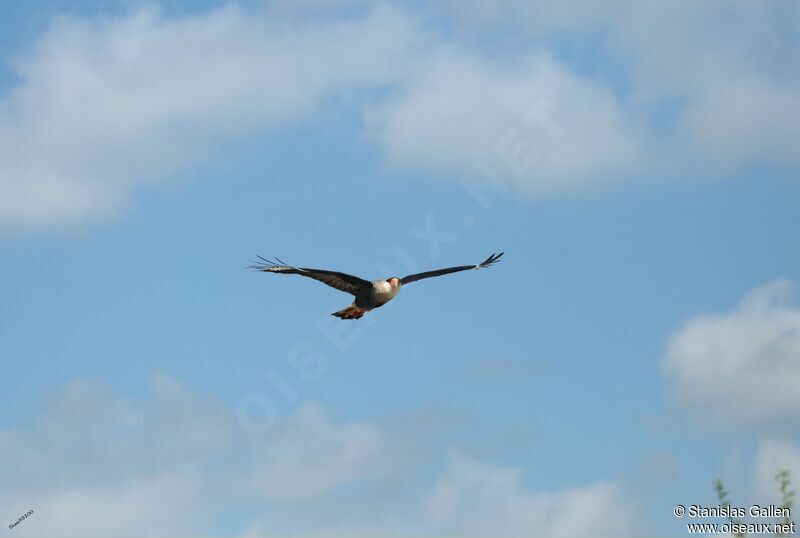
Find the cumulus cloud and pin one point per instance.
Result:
(736, 121)
(721, 69)
(309, 456)
(98, 464)
(742, 367)
(176, 463)
(107, 103)
(537, 124)
(472, 498)
(729, 63)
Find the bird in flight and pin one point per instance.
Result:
(368, 295)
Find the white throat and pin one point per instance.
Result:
(384, 289)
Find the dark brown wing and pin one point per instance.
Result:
(340, 281)
(439, 272)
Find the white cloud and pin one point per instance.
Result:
(741, 120)
(458, 110)
(742, 367)
(106, 103)
(729, 63)
(308, 456)
(475, 499)
(723, 68)
(98, 464)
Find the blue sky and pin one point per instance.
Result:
(639, 340)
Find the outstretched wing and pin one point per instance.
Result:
(439, 272)
(340, 281)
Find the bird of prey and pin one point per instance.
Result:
(368, 295)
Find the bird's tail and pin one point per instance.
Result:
(351, 312)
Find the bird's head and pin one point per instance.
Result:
(394, 282)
